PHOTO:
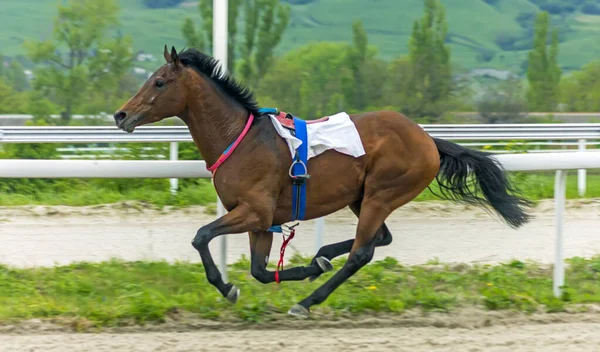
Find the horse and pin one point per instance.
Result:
(251, 172)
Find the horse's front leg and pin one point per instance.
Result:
(260, 247)
(239, 220)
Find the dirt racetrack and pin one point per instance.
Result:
(34, 236)
(43, 236)
(544, 338)
(469, 330)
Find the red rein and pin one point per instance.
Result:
(286, 241)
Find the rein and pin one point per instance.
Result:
(232, 146)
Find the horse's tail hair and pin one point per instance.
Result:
(456, 163)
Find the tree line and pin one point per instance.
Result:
(85, 66)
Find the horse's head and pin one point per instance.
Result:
(161, 96)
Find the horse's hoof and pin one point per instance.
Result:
(299, 311)
(324, 264)
(233, 294)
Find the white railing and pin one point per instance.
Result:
(561, 163)
(472, 135)
(197, 169)
(560, 116)
(479, 132)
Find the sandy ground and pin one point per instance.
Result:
(528, 338)
(469, 330)
(43, 236)
(34, 236)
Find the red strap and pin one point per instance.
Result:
(286, 241)
(232, 147)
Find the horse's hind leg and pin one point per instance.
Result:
(371, 218)
(383, 237)
(260, 247)
(383, 195)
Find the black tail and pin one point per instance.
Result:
(490, 180)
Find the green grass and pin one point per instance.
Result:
(473, 27)
(156, 192)
(90, 193)
(114, 292)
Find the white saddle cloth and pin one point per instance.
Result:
(338, 133)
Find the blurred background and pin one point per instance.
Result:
(451, 62)
(445, 64)
(436, 61)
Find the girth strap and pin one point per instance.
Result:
(299, 174)
(299, 171)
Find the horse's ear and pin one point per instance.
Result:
(168, 57)
(175, 57)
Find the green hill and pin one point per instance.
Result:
(482, 33)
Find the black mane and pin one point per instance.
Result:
(211, 68)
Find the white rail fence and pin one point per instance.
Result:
(466, 132)
(561, 162)
(572, 117)
(561, 135)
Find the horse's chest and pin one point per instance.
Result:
(226, 188)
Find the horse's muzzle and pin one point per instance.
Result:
(123, 122)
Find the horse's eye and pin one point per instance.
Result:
(159, 83)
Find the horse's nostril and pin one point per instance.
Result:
(120, 116)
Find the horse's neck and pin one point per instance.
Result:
(214, 123)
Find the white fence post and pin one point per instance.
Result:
(174, 156)
(581, 173)
(320, 231)
(220, 45)
(223, 243)
(560, 182)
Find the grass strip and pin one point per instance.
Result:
(114, 292)
(83, 193)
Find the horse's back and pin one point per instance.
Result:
(386, 133)
(394, 145)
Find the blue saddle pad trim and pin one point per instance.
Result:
(275, 228)
(299, 191)
(268, 110)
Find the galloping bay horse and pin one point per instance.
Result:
(254, 183)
